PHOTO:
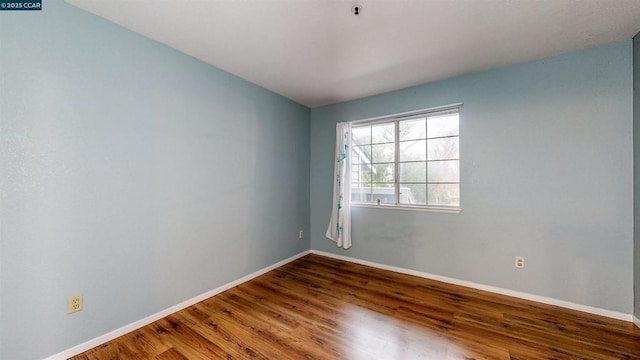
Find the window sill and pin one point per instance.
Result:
(409, 208)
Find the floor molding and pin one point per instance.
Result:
(636, 321)
(493, 289)
(78, 349)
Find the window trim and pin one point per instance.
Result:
(392, 118)
(406, 114)
(405, 207)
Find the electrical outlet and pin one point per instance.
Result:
(74, 303)
(519, 262)
(300, 234)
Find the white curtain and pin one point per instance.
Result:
(339, 229)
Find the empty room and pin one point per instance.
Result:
(319, 179)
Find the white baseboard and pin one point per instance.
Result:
(78, 349)
(636, 321)
(493, 289)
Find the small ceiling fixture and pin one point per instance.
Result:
(356, 9)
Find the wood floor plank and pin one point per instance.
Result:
(187, 341)
(322, 308)
(171, 354)
(142, 345)
(207, 328)
(261, 335)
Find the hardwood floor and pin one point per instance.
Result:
(322, 308)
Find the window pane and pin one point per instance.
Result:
(444, 171)
(361, 154)
(413, 129)
(444, 194)
(386, 193)
(413, 194)
(383, 153)
(413, 172)
(361, 135)
(361, 173)
(445, 148)
(355, 158)
(413, 150)
(443, 125)
(383, 133)
(383, 173)
(360, 192)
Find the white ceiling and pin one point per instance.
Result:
(317, 52)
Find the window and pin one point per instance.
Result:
(409, 161)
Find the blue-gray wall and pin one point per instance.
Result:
(546, 174)
(636, 175)
(133, 174)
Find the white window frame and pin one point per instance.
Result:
(396, 118)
